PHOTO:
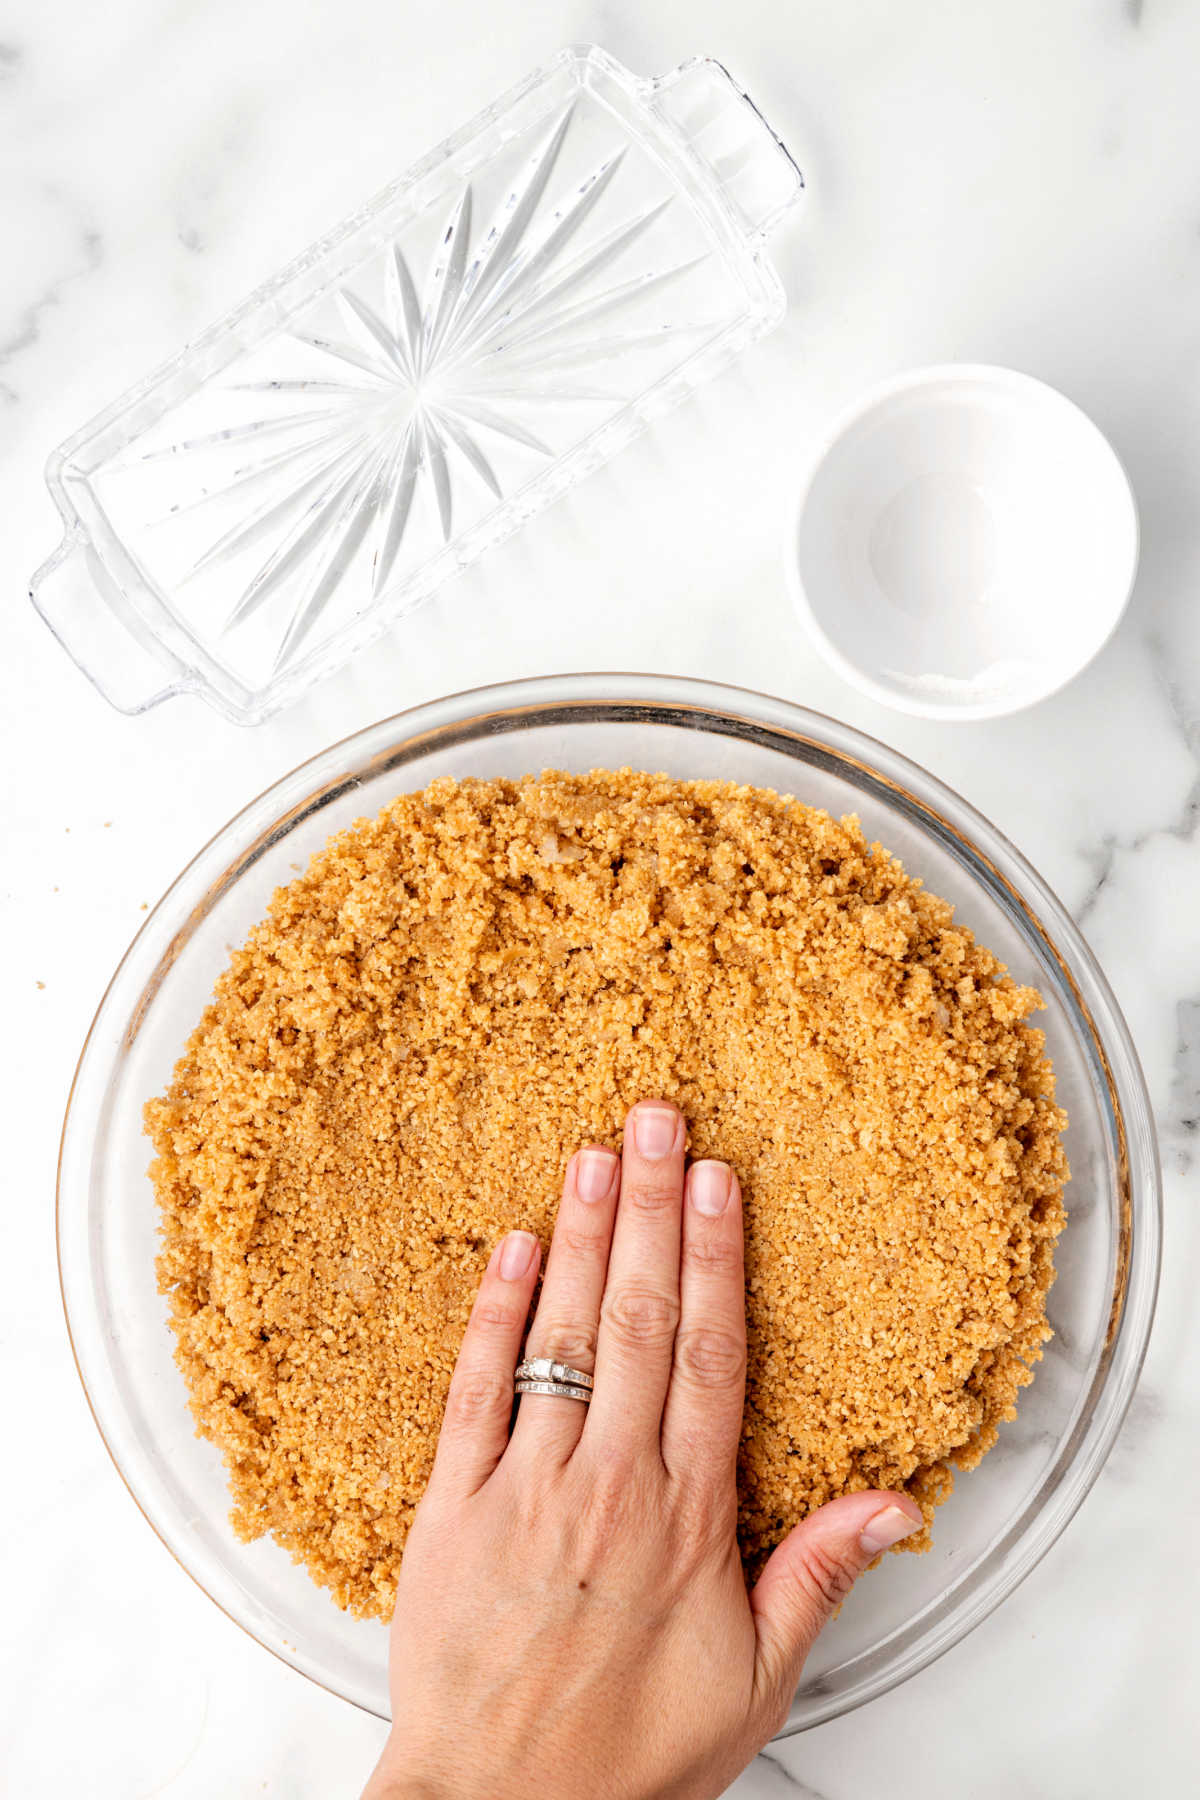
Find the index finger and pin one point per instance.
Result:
(702, 1420)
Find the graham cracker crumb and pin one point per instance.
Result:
(455, 995)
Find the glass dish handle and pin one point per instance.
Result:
(753, 169)
(69, 591)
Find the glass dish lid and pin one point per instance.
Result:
(493, 326)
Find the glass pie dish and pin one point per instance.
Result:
(490, 328)
(1002, 1517)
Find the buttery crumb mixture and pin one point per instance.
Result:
(455, 995)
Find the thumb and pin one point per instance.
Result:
(813, 1570)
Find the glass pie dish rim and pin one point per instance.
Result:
(705, 706)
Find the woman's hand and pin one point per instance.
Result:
(572, 1621)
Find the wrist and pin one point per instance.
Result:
(392, 1781)
(402, 1775)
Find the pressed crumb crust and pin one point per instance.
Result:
(455, 995)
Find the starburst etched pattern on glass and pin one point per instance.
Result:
(417, 390)
(427, 379)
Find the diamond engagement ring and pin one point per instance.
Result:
(541, 1375)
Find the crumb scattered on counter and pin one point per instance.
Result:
(455, 995)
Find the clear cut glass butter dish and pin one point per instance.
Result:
(416, 385)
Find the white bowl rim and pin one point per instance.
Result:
(931, 375)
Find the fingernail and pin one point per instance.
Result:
(887, 1528)
(654, 1129)
(595, 1171)
(709, 1186)
(516, 1255)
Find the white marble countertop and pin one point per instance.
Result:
(1013, 184)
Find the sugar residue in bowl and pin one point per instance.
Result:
(996, 680)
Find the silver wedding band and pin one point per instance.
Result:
(542, 1375)
(559, 1389)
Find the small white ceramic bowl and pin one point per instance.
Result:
(965, 544)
